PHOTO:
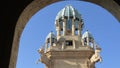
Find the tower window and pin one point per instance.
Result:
(69, 43)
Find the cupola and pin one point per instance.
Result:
(51, 37)
(68, 21)
(68, 12)
(87, 39)
(87, 34)
(50, 40)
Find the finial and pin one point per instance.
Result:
(98, 48)
(51, 32)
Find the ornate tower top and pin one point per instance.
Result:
(69, 49)
(68, 20)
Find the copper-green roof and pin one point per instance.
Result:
(87, 34)
(50, 35)
(68, 11)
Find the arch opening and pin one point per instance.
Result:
(20, 27)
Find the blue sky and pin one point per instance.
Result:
(103, 26)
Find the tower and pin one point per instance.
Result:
(69, 49)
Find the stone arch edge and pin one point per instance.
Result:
(27, 13)
(35, 6)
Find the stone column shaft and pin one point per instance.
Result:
(83, 44)
(46, 47)
(87, 41)
(79, 29)
(50, 42)
(58, 31)
(64, 27)
(74, 44)
(58, 27)
(73, 27)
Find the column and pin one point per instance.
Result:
(46, 46)
(73, 27)
(82, 41)
(50, 42)
(79, 28)
(79, 32)
(63, 45)
(87, 41)
(64, 27)
(58, 28)
(58, 31)
(74, 44)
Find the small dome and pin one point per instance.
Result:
(87, 34)
(68, 12)
(51, 35)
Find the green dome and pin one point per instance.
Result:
(50, 35)
(68, 12)
(87, 35)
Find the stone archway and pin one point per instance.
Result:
(35, 6)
